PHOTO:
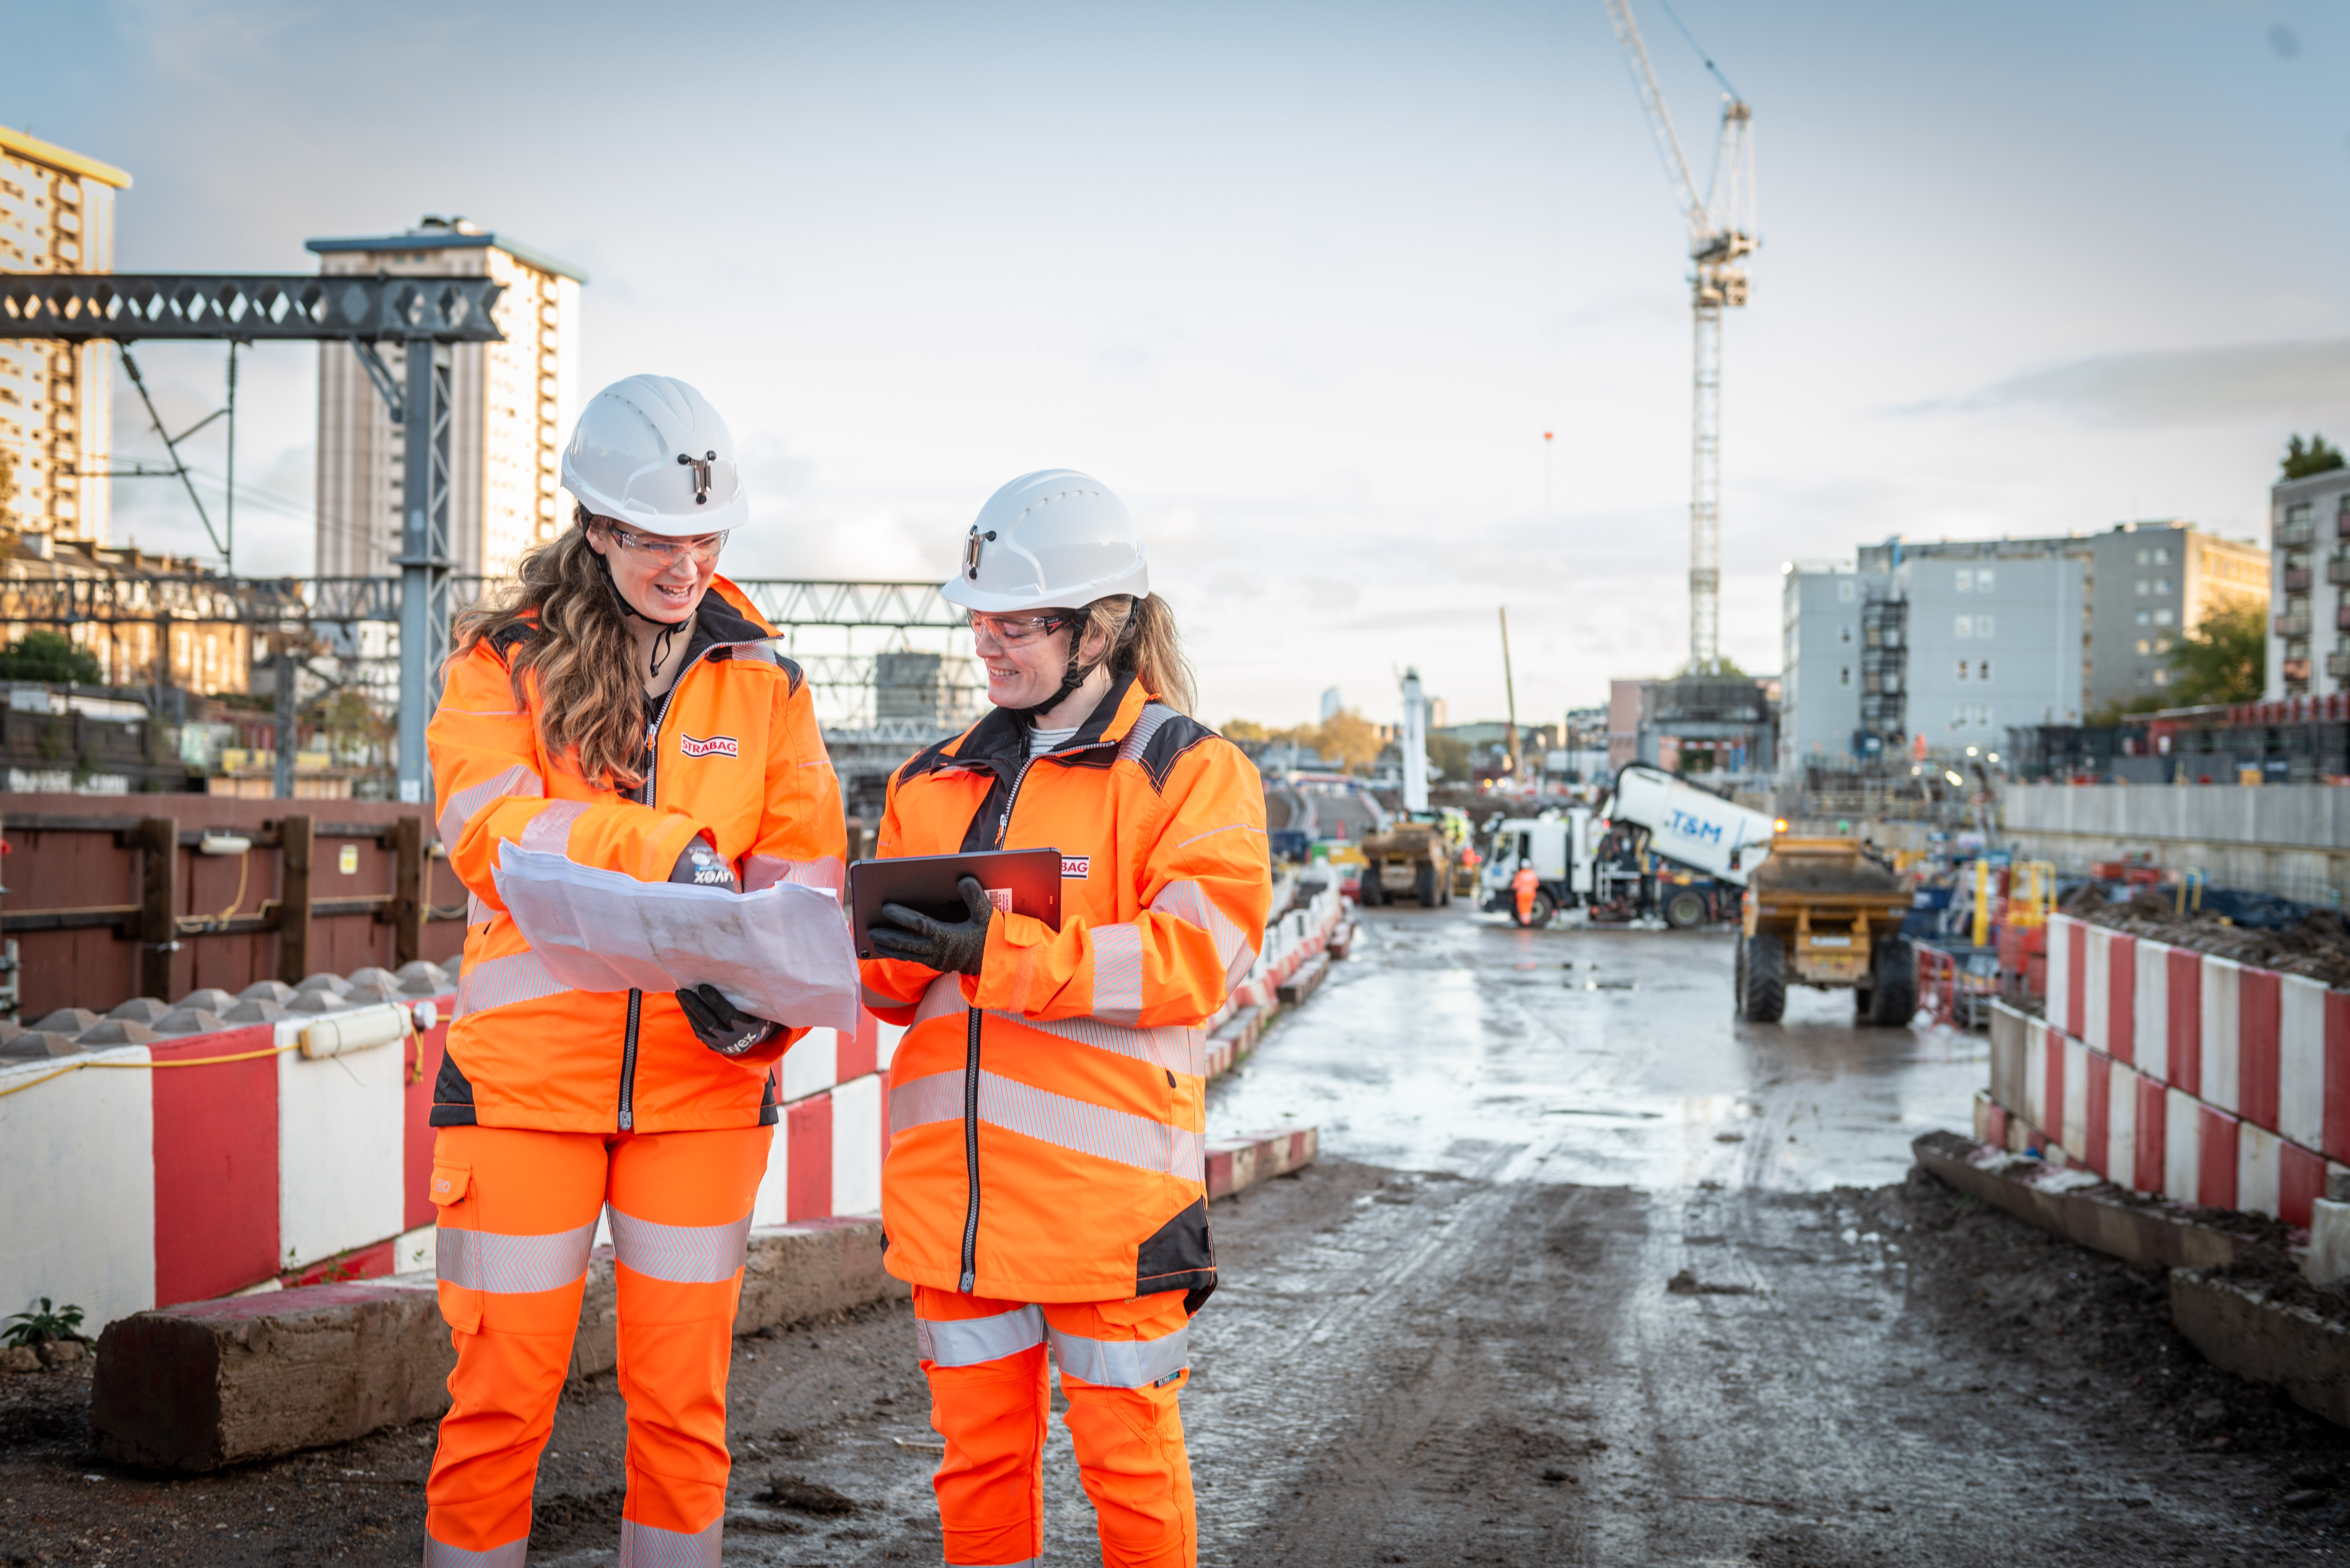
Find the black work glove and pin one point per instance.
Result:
(718, 1026)
(699, 866)
(949, 947)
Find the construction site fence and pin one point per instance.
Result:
(157, 896)
(2176, 1074)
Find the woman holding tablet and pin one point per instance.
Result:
(1044, 1182)
(623, 708)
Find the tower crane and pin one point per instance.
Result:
(1720, 235)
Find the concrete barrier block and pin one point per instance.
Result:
(1305, 982)
(1234, 1164)
(2286, 1346)
(214, 1383)
(2077, 1206)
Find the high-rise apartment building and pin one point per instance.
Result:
(57, 214)
(2309, 586)
(510, 403)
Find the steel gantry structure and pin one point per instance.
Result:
(425, 314)
(1720, 235)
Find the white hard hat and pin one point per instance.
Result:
(1056, 539)
(651, 452)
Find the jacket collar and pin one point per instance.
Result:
(720, 620)
(1003, 735)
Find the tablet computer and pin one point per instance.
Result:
(1019, 881)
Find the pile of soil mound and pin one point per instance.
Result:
(1792, 870)
(2317, 946)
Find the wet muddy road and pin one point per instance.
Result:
(1588, 1274)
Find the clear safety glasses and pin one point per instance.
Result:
(1013, 631)
(657, 552)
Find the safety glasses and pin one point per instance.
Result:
(1013, 631)
(660, 551)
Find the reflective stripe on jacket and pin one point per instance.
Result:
(737, 757)
(1046, 1116)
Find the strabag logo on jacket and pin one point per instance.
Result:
(1077, 868)
(716, 746)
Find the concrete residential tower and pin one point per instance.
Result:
(514, 403)
(57, 214)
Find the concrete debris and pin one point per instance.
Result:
(2316, 947)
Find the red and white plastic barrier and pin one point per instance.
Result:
(2178, 1073)
(127, 1183)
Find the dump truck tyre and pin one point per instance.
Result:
(1684, 908)
(1425, 886)
(1766, 979)
(1897, 983)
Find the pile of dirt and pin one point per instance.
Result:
(2316, 946)
(1844, 870)
(2067, 1312)
(2268, 1271)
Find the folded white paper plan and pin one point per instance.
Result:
(780, 953)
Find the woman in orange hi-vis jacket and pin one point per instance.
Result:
(1045, 1183)
(624, 710)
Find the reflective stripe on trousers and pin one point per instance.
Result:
(439, 1554)
(643, 1546)
(512, 1265)
(1058, 1119)
(1121, 1363)
(969, 1341)
(682, 1254)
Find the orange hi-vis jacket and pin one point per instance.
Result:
(736, 757)
(1047, 1115)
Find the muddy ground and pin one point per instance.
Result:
(1470, 1360)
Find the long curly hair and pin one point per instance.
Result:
(592, 697)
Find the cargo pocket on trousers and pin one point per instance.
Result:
(455, 1262)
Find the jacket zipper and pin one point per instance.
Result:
(971, 1082)
(637, 998)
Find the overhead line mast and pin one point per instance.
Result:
(1720, 235)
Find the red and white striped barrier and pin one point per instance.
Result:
(2184, 1075)
(129, 1182)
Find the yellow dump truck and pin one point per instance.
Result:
(1408, 859)
(1822, 913)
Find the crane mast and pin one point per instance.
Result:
(1721, 236)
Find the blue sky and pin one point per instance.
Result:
(1305, 282)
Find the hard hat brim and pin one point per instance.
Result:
(960, 591)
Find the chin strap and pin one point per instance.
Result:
(1076, 675)
(669, 628)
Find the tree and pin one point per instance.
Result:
(1246, 730)
(1349, 740)
(2225, 660)
(7, 478)
(2317, 457)
(49, 656)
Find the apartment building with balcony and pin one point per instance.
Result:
(2309, 586)
(57, 214)
(511, 404)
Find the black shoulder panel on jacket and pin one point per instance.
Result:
(794, 677)
(1160, 736)
(928, 760)
(507, 638)
(453, 1095)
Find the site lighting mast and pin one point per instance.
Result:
(1720, 235)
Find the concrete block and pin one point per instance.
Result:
(1305, 982)
(2286, 1347)
(2329, 1243)
(141, 1010)
(212, 1383)
(208, 1384)
(1235, 1165)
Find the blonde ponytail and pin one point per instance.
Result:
(1141, 635)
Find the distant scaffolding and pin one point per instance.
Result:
(1883, 657)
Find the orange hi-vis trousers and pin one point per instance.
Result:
(518, 1217)
(1122, 1365)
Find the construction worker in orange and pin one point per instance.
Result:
(1045, 1185)
(1525, 885)
(622, 706)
